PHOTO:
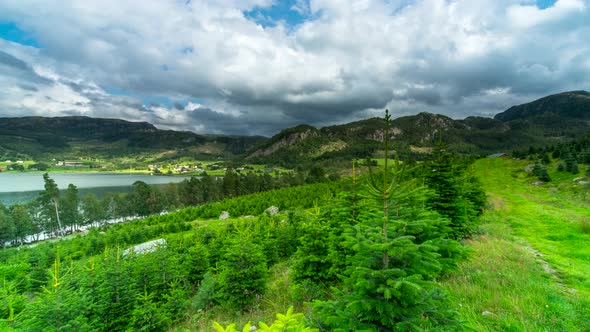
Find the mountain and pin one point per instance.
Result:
(566, 105)
(74, 135)
(549, 120)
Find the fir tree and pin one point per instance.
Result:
(69, 205)
(570, 163)
(536, 169)
(456, 196)
(115, 291)
(312, 259)
(196, 262)
(7, 227)
(147, 315)
(22, 222)
(544, 175)
(61, 307)
(389, 282)
(49, 201)
(243, 274)
(575, 169)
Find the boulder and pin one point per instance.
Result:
(271, 211)
(224, 215)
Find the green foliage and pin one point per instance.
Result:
(544, 175)
(243, 274)
(38, 166)
(13, 302)
(389, 282)
(312, 259)
(289, 322)
(206, 294)
(61, 307)
(196, 262)
(7, 226)
(458, 193)
(69, 205)
(49, 202)
(147, 316)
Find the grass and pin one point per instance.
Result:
(276, 299)
(530, 263)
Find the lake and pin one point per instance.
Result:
(23, 187)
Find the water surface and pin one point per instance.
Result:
(22, 187)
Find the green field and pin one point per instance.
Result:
(531, 261)
(131, 165)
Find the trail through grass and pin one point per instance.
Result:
(531, 263)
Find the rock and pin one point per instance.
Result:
(253, 328)
(529, 168)
(224, 215)
(271, 211)
(146, 247)
(488, 314)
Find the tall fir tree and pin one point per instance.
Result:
(70, 207)
(49, 201)
(243, 274)
(389, 283)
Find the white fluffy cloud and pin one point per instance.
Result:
(349, 59)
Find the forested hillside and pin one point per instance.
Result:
(550, 120)
(42, 138)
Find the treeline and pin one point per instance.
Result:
(54, 213)
(571, 155)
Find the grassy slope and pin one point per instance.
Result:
(530, 266)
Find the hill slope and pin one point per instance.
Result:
(41, 136)
(549, 120)
(545, 121)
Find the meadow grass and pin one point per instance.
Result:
(531, 261)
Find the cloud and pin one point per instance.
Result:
(347, 60)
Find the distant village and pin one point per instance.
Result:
(156, 169)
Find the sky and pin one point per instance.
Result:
(254, 67)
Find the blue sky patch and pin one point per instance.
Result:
(10, 31)
(545, 3)
(285, 11)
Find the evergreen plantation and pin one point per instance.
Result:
(363, 253)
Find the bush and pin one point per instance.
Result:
(206, 293)
(243, 274)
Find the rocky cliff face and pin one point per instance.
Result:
(287, 140)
